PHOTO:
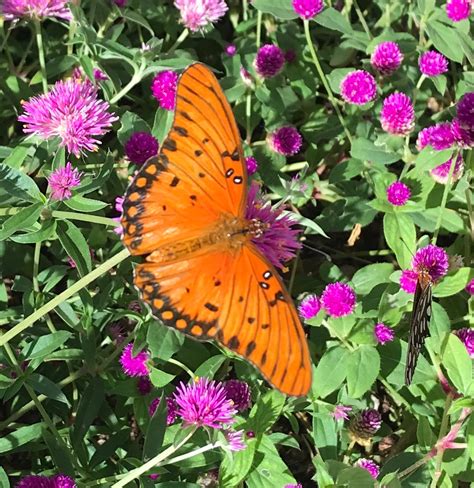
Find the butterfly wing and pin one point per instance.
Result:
(238, 299)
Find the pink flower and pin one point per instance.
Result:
(386, 58)
(134, 365)
(56, 481)
(286, 141)
(470, 287)
(252, 165)
(298, 485)
(35, 9)
(119, 208)
(246, 77)
(99, 75)
(171, 408)
(309, 307)
(370, 466)
(398, 193)
(231, 50)
(431, 259)
(140, 147)
(163, 88)
(269, 61)
(433, 63)
(196, 15)
(467, 337)
(408, 280)
(239, 393)
(235, 439)
(465, 119)
(441, 173)
(70, 111)
(62, 180)
(307, 9)
(358, 87)
(340, 412)
(440, 136)
(338, 299)
(458, 10)
(397, 115)
(144, 385)
(383, 333)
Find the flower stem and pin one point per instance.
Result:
(361, 17)
(324, 79)
(36, 260)
(259, 28)
(136, 78)
(39, 43)
(179, 41)
(95, 219)
(442, 432)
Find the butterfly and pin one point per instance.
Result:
(185, 213)
(419, 322)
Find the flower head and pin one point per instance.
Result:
(458, 10)
(387, 57)
(99, 75)
(464, 122)
(398, 193)
(62, 481)
(196, 15)
(252, 165)
(163, 88)
(171, 409)
(383, 333)
(397, 115)
(286, 141)
(338, 299)
(140, 147)
(70, 111)
(408, 280)
(441, 173)
(120, 3)
(467, 337)
(144, 385)
(431, 259)
(134, 365)
(370, 466)
(231, 50)
(440, 136)
(235, 439)
(298, 485)
(35, 9)
(358, 87)
(307, 9)
(433, 63)
(119, 208)
(279, 239)
(246, 77)
(62, 180)
(470, 287)
(309, 307)
(204, 403)
(269, 61)
(239, 393)
(340, 412)
(56, 481)
(365, 424)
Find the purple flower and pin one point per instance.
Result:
(465, 119)
(440, 136)
(358, 87)
(433, 63)
(431, 259)
(383, 333)
(252, 165)
(235, 439)
(467, 337)
(340, 412)
(120, 3)
(204, 403)
(338, 299)
(365, 424)
(99, 75)
(246, 77)
(397, 115)
(470, 287)
(441, 173)
(307, 9)
(239, 393)
(140, 147)
(171, 409)
(163, 88)
(196, 15)
(56, 481)
(370, 466)
(279, 239)
(62, 180)
(398, 193)
(408, 280)
(290, 56)
(70, 111)
(386, 57)
(144, 385)
(269, 61)
(119, 208)
(309, 307)
(298, 485)
(134, 365)
(458, 10)
(231, 50)
(62, 481)
(286, 141)
(35, 9)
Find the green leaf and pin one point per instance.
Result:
(18, 155)
(83, 204)
(366, 278)
(45, 232)
(163, 341)
(325, 435)
(162, 124)
(400, 234)
(470, 436)
(452, 284)
(130, 123)
(210, 367)
(445, 40)
(75, 245)
(137, 19)
(46, 387)
(334, 20)
(355, 478)
(46, 344)
(366, 150)
(61, 456)
(424, 434)
(281, 9)
(234, 468)
(440, 83)
(20, 437)
(4, 482)
(429, 158)
(362, 370)
(160, 378)
(458, 364)
(155, 432)
(266, 411)
(19, 185)
(97, 181)
(110, 447)
(330, 371)
(24, 218)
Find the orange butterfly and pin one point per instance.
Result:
(185, 211)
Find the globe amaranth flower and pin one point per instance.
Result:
(408, 280)
(470, 287)
(278, 240)
(298, 485)
(120, 3)
(338, 299)
(370, 466)
(440, 136)
(433, 63)
(239, 393)
(441, 172)
(397, 115)
(307, 9)
(467, 337)
(163, 88)
(140, 147)
(358, 87)
(386, 58)
(458, 10)
(235, 440)
(309, 307)
(383, 333)
(171, 409)
(398, 193)
(204, 403)
(196, 15)
(70, 111)
(286, 141)
(99, 75)
(56, 481)
(231, 50)
(246, 77)
(144, 385)
(35, 9)
(119, 208)
(464, 123)
(365, 424)
(341, 412)
(269, 61)
(62, 181)
(431, 259)
(134, 365)
(252, 165)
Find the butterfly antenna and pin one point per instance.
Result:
(325, 254)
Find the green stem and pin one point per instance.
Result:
(95, 219)
(361, 17)
(136, 78)
(178, 41)
(39, 43)
(36, 260)
(259, 28)
(182, 366)
(248, 113)
(442, 432)
(62, 297)
(324, 80)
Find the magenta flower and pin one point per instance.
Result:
(365, 423)
(467, 337)
(358, 87)
(239, 393)
(465, 119)
(269, 61)
(171, 409)
(397, 115)
(470, 287)
(119, 208)
(235, 440)
(433, 63)
(431, 259)
(246, 77)
(440, 136)
(140, 147)
(441, 173)
(99, 75)
(231, 50)
(252, 165)
(383, 333)
(62, 181)
(338, 299)
(309, 307)
(340, 412)
(35, 9)
(56, 481)
(279, 239)
(298, 485)
(286, 141)
(70, 111)
(144, 385)
(458, 10)
(163, 88)
(204, 403)
(307, 9)
(408, 280)
(386, 58)
(196, 15)
(398, 193)
(120, 3)
(62, 481)
(370, 466)
(134, 365)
